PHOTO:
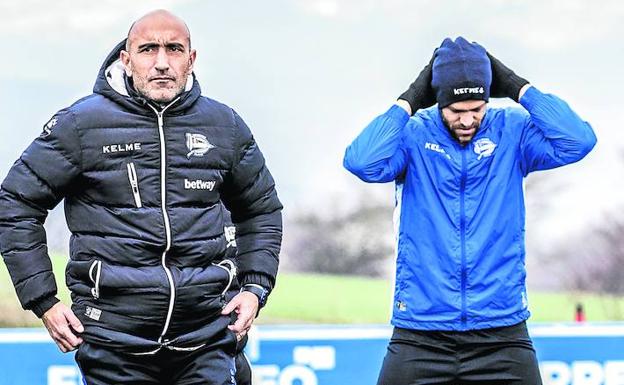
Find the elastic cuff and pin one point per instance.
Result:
(530, 97)
(518, 83)
(397, 113)
(257, 279)
(43, 305)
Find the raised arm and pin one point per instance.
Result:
(376, 154)
(554, 135)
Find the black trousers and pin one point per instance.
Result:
(243, 370)
(205, 366)
(497, 356)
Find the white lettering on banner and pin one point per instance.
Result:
(64, 375)
(306, 359)
(297, 374)
(290, 375)
(582, 373)
(587, 373)
(614, 373)
(265, 374)
(317, 357)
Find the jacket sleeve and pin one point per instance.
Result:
(249, 194)
(376, 155)
(553, 134)
(36, 183)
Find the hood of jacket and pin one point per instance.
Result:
(112, 83)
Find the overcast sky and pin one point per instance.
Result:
(307, 75)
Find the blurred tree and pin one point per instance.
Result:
(359, 242)
(594, 262)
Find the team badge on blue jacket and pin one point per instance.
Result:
(484, 147)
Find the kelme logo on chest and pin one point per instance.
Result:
(123, 147)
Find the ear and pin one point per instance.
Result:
(124, 56)
(192, 58)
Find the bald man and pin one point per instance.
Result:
(147, 168)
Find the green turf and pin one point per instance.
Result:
(11, 313)
(339, 299)
(328, 299)
(315, 298)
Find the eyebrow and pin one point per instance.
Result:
(476, 109)
(154, 45)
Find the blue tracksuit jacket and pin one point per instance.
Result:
(460, 209)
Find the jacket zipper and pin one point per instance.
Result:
(462, 229)
(94, 274)
(163, 206)
(134, 183)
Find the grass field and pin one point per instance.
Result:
(312, 298)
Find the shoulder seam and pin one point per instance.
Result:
(79, 136)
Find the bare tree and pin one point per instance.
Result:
(595, 261)
(359, 242)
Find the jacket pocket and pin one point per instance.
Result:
(134, 184)
(95, 271)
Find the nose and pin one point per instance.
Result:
(162, 60)
(466, 119)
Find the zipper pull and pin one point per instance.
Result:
(134, 184)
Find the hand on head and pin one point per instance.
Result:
(458, 71)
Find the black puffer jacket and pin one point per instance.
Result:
(143, 188)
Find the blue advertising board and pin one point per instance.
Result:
(569, 354)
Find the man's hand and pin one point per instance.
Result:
(420, 94)
(505, 83)
(61, 323)
(245, 304)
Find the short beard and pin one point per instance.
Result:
(450, 130)
(161, 103)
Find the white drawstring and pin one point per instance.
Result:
(188, 349)
(231, 269)
(147, 353)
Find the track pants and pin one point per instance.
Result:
(205, 366)
(498, 356)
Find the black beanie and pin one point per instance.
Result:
(461, 71)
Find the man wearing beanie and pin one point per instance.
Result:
(460, 301)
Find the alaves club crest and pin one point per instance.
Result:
(484, 147)
(197, 145)
(47, 128)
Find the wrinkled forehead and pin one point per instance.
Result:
(159, 31)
